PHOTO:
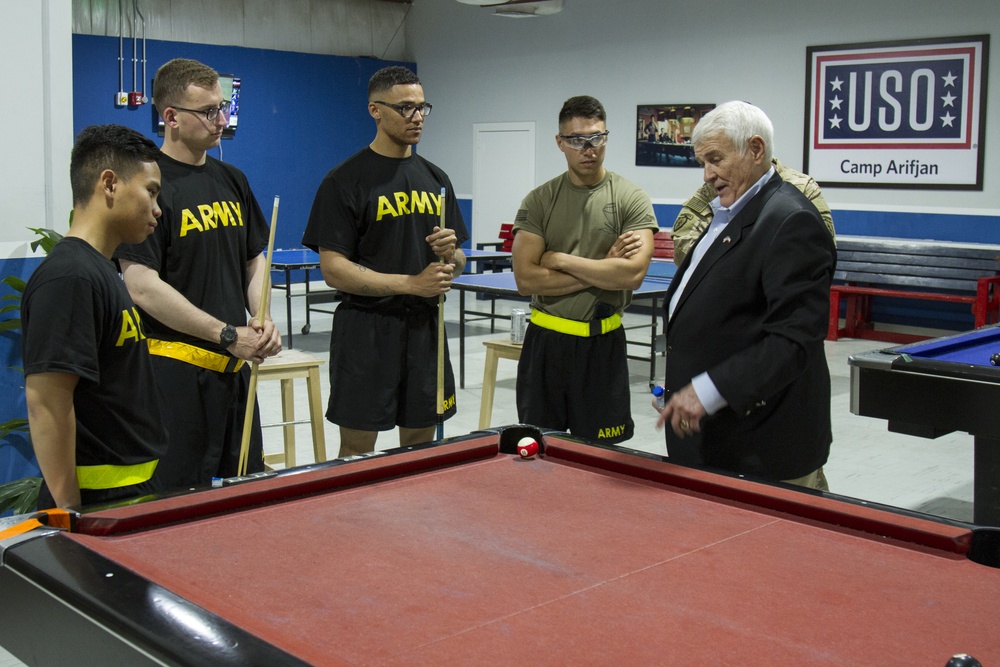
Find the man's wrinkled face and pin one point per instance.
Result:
(726, 170)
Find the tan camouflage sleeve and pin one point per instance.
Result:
(692, 221)
(810, 188)
(696, 213)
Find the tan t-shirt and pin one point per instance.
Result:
(584, 221)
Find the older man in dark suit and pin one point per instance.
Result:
(747, 315)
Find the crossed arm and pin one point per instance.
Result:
(549, 273)
(341, 273)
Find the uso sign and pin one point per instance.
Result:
(907, 114)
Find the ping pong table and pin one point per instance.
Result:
(297, 259)
(479, 258)
(304, 259)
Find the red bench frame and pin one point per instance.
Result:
(663, 245)
(663, 242)
(985, 308)
(506, 236)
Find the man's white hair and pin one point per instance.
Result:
(739, 121)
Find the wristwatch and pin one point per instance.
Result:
(228, 335)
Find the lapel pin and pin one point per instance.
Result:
(726, 240)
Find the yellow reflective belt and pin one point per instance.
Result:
(575, 327)
(113, 477)
(194, 355)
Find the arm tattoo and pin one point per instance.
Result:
(368, 290)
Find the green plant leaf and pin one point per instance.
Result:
(14, 282)
(21, 495)
(12, 425)
(49, 238)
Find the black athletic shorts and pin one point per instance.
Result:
(576, 384)
(204, 412)
(383, 369)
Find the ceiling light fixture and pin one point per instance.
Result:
(519, 8)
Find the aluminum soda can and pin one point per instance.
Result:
(518, 323)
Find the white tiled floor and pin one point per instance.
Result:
(867, 462)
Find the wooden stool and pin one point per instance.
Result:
(287, 366)
(495, 350)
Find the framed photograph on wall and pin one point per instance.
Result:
(663, 134)
(902, 114)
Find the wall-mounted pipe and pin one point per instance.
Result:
(135, 59)
(121, 49)
(142, 22)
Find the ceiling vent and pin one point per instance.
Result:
(519, 8)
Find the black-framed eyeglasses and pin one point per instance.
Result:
(213, 112)
(579, 143)
(407, 110)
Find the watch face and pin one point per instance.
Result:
(228, 335)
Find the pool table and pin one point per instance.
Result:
(466, 553)
(935, 387)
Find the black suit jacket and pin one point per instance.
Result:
(754, 316)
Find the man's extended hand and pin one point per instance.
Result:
(684, 411)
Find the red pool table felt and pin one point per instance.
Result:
(502, 560)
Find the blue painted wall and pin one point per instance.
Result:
(911, 225)
(915, 225)
(17, 459)
(300, 114)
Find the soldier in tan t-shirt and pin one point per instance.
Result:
(582, 242)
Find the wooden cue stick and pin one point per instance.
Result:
(440, 341)
(262, 313)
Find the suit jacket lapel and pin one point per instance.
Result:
(728, 239)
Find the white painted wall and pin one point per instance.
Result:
(36, 69)
(479, 68)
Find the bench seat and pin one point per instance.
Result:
(505, 242)
(869, 267)
(663, 245)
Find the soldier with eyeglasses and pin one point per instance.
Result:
(375, 222)
(197, 280)
(582, 242)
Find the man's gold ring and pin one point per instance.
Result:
(684, 424)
